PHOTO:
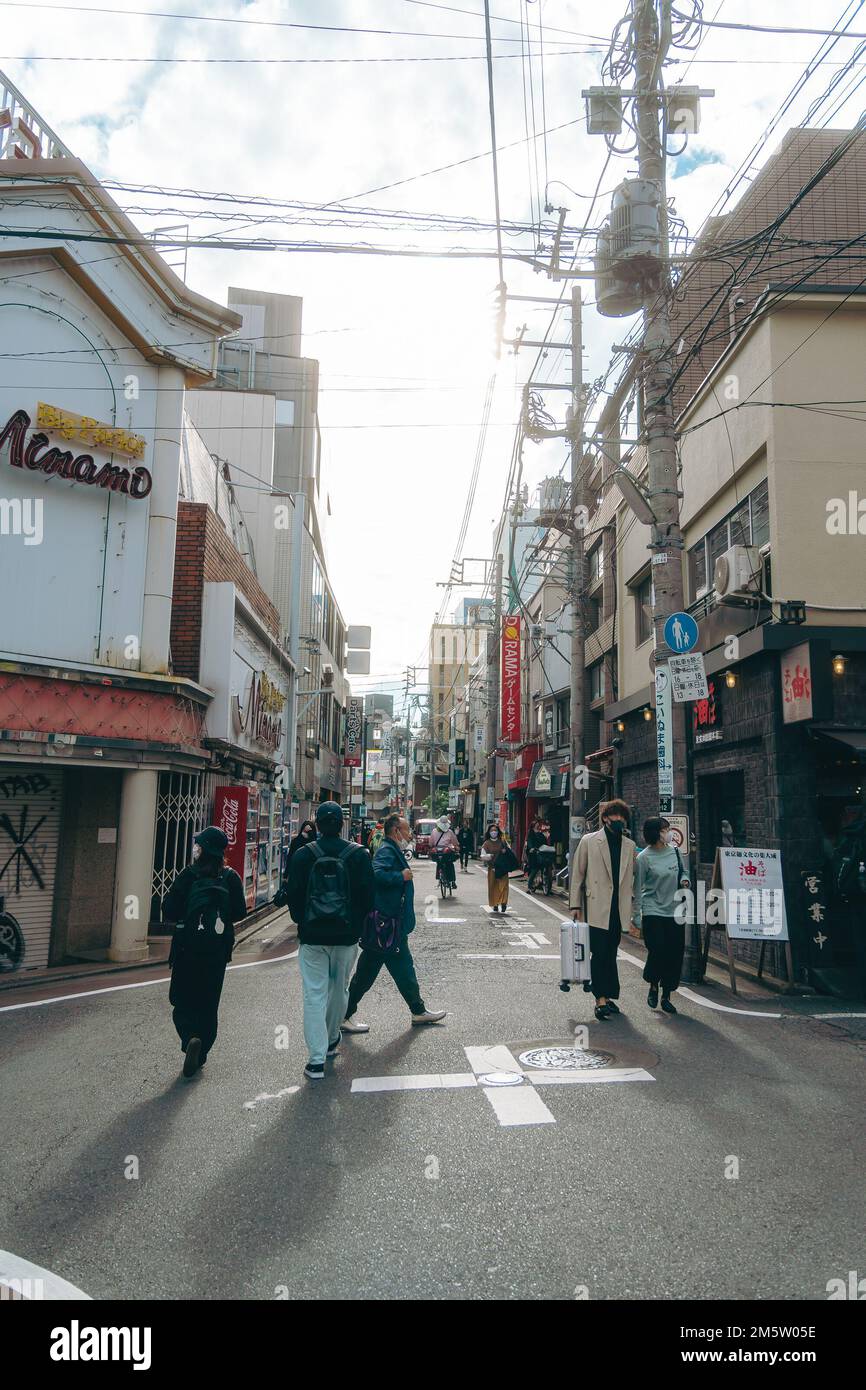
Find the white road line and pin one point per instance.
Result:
(829, 1014)
(686, 993)
(14, 1271)
(137, 984)
(518, 1105)
(510, 955)
(433, 1082)
(568, 1078)
(496, 1058)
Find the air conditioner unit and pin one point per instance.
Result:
(738, 572)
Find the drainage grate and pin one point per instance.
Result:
(565, 1058)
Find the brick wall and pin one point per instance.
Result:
(205, 554)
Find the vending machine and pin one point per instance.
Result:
(236, 813)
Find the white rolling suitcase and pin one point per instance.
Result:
(573, 954)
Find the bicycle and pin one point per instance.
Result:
(545, 856)
(11, 940)
(447, 881)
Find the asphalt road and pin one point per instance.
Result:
(249, 1182)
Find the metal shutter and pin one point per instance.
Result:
(30, 803)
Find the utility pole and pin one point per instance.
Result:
(495, 638)
(577, 711)
(653, 28)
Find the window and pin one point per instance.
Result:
(285, 413)
(318, 604)
(596, 681)
(740, 529)
(593, 614)
(643, 602)
(442, 650)
(760, 505)
(595, 565)
(563, 708)
(698, 569)
(324, 717)
(717, 544)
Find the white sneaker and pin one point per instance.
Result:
(349, 1025)
(429, 1016)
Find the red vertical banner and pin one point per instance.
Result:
(510, 679)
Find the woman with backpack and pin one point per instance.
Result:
(204, 903)
(659, 873)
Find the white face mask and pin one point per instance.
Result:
(196, 852)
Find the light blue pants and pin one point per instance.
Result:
(325, 972)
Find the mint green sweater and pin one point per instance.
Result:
(656, 882)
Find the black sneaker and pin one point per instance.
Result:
(612, 1007)
(602, 1013)
(653, 997)
(667, 1006)
(191, 1060)
(333, 1047)
(315, 1071)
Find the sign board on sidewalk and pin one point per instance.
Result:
(664, 734)
(688, 677)
(751, 880)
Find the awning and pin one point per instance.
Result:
(520, 783)
(852, 739)
(548, 780)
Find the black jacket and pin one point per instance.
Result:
(360, 870)
(174, 903)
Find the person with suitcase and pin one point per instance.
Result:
(602, 883)
(205, 903)
(330, 892)
(660, 873)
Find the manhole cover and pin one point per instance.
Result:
(502, 1078)
(565, 1058)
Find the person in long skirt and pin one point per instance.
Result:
(660, 872)
(497, 888)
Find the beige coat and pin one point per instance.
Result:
(591, 880)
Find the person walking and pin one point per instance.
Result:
(660, 873)
(204, 904)
(394, 902)
(466, 840)
(534, 840)
(330, 892)
(602, 887)
(494, 846)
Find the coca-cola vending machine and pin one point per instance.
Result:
(235, 809)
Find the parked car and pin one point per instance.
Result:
(423, 830)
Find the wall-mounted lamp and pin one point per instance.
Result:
(730, 679)
(839, 663)
(647, 714)
(620, 726)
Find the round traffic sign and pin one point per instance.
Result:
(681, 632)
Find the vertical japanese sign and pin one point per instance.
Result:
(796, 684)
(664, 739)
(354, 732)
(510, 667)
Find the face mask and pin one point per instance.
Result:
(494, 834)
(668, 838)
(196, 852)
(615, 827)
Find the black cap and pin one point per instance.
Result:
(212, 840)
(329, 815)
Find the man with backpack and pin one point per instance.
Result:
(204, 903)
(330, 892)
(385, 935)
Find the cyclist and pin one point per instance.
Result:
(534, 840)
(444, 848)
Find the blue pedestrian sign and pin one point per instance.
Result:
(681, 632)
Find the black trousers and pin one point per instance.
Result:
(665, 940)
(604, 981)
(401, 968)
(464, 856)
(196, 986)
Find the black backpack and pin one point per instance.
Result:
(329, 901)
(203, 931)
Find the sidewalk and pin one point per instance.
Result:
(157, 955)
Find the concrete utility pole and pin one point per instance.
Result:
(653, 41)
(495, 639)
(577, 713)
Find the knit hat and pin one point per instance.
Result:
(212, 840)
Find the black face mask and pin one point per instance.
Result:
(616, 827)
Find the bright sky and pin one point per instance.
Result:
(405, 345)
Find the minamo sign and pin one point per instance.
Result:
(39, 455)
